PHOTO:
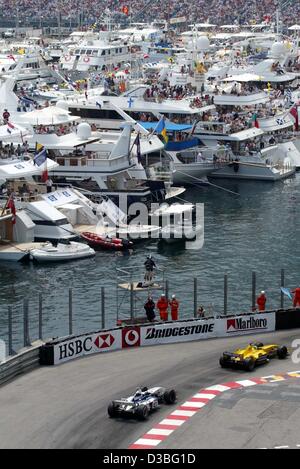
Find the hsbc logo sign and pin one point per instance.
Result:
(86, 345)
(104, 340)
(131, 337)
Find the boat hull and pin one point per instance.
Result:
(111, 244)
(252, 172)
(62, 253)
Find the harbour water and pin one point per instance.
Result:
(257, 230)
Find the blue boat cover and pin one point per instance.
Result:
(170, 126)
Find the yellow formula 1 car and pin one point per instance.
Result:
(254, 354)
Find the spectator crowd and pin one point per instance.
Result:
(217, 11)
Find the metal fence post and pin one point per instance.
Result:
(131, 302)
(40, 316)
(225, 293)
(10, 346)
(102, 308)
(26, 338)
(70, 311)
(167, 289)
(195, 297)
(253, 291)
(282, 285)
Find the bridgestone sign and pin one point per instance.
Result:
(170, 333)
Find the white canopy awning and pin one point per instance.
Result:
(295, 27)
(244, 77)
(246, 134)
(51, 115)
(24, 169)
(9, 132)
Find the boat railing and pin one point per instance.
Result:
(159, 173)
(213, 126)
(205, 156)
(88, 160)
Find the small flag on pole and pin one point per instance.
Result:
(161, 129)
(137, 142)
(40, 156)
(287, 292)
(12, 207)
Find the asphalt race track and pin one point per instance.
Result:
(66, 406)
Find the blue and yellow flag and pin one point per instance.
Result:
(161, 129)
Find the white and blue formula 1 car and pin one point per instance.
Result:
(141, 403)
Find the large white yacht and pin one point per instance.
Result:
(99, 108)
(25, 61)
(98, 52)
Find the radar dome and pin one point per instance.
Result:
(84, 130)
(278, 49)
(62, 105)
(202, 43)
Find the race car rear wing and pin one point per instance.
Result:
(124, 402)
(231, 355)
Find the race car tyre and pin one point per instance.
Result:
(250, 364)
(282, 352)
(223, 362)
(142, 412)
(111, 410)
(170, 396)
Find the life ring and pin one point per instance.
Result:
(86, 59)
(67, 58)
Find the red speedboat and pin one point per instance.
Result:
(104, 242)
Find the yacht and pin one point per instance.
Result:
(103, 217)
(16, 236)
(99, 108)
(98, 52)
(25, 62)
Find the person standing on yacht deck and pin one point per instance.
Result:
(5, 116)
(49, 184)
(199, 157)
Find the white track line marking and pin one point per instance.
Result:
(194, 404)
(186, 413)
(218, 387)
(205, 396)
(147, 441)
(159, 431)
(281, 447)
(172, 422)
(247, 382)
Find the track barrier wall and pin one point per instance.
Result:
(68, 348)
(26, 360)
(64, 349)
